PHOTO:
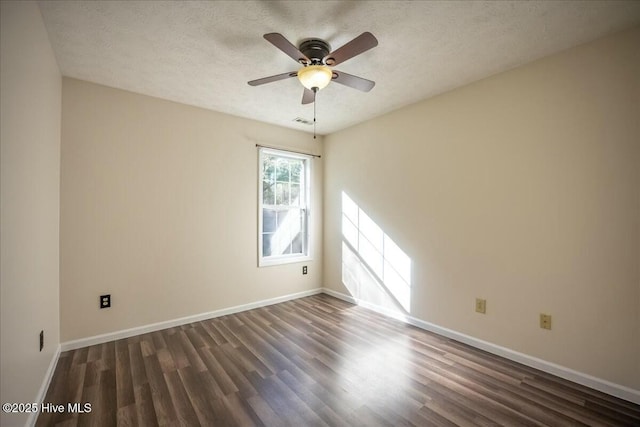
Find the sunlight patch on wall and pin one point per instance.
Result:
(374, 268)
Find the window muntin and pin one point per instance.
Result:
(283, 207)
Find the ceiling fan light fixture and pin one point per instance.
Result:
(315, 76)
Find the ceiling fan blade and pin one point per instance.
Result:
(275, 78)
(362, 43)
(308, 96)
(285, 45)
(353, 81)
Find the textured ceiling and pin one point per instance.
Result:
(203, 53)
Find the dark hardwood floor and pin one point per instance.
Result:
(314, 361)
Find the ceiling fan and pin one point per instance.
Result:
(316, 59)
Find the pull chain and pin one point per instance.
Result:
(315, 91)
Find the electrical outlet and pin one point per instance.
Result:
(105, 301)
(545, 321)
(41, 340)
(304, 269)
(481, 305)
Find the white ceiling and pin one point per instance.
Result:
(203, 53)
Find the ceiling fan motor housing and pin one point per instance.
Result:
(315, 50)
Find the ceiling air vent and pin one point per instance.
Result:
(303, 121)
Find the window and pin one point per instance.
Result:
(283, 225)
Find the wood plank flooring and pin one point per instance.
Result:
(315, 361)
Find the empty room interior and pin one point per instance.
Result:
(320, 213)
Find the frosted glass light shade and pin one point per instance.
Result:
(317, 76)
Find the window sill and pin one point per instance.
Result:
(268, 262)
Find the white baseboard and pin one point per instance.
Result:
(126, 333)
(42, 393)
(595, 383)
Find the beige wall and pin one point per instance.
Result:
(159, 209)
(30, 85)
(523, 189)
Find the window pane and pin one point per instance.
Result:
(269, 169)
(280, 242)
(268, 193)
(282, 194)
(268, 220)
(296, 245)
(282, 219)
(295, 223)
(266, 244)
(282, 170)
(296, 170)
(295, 195)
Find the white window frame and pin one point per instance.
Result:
(288, 258)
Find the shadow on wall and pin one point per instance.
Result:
(374, 268)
